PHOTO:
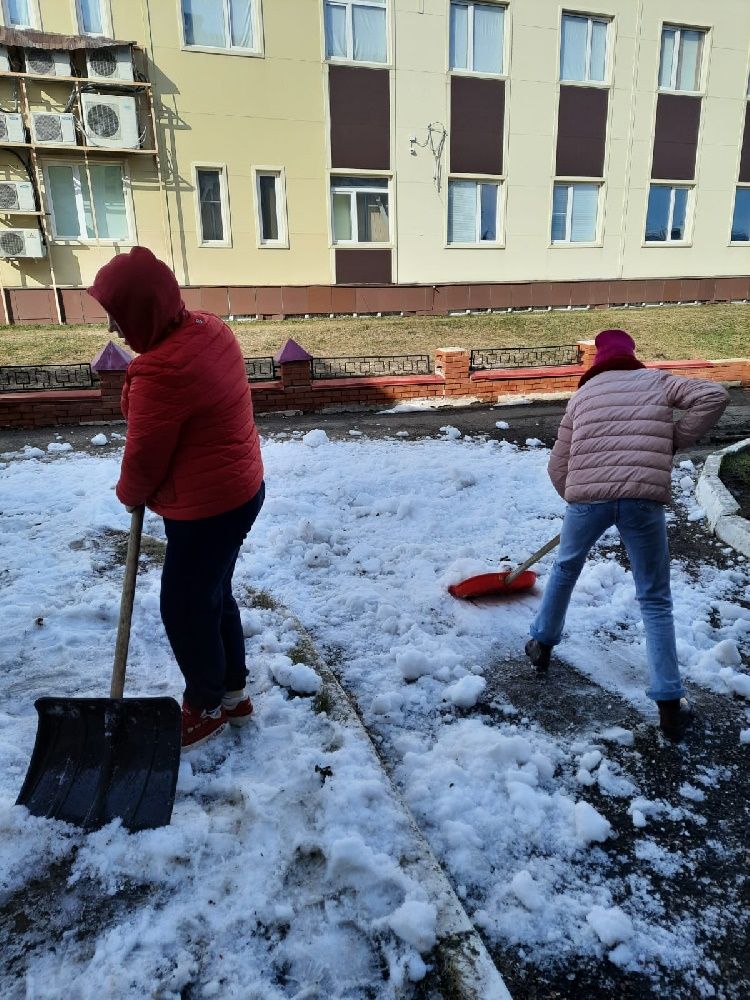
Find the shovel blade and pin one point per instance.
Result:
(97, 759)
(492, 584)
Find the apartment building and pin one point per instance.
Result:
(429, 154)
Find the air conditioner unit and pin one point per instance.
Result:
(110, 63)
(4, 60)
(110, 121)
(17, 196)
(47, 62)
(47, 127)
(11, 127)
(21, 243)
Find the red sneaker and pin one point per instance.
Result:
(199, 724)
(240, 714)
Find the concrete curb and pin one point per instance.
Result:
(464, 961)
(722, 510)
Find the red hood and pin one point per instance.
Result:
(142, 296)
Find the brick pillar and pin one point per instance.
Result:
(294, 364)
(453, 364)
(586, 352)
(110, 364)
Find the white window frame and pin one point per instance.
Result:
(96, 240)
(349, 57)
(352, 190)
(570, 183)
(282, 220)
(672, 88)
(256, 15)
(687, 237)
(221, 168)
(469, 70)
(740, 185)
(34, 14)
(106, 12)
(590, 18)
(499, 241)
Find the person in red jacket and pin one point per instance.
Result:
(192, 455)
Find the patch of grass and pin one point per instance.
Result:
(735, 474)
(153, 550)
(712, 332)
(302, 652)
(323, 702)
(260, 599)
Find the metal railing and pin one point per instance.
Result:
(37, 378)
(371, 367)
(484, 359)
(260, 369)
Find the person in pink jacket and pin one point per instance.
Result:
(612, 463)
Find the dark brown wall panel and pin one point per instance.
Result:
(477, 115)
(581, 131)
(676, 137)
(360, 107)
(363, 267)
(745, 161)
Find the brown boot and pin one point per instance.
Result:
(675, 716)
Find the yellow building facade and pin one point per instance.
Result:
(292, 153)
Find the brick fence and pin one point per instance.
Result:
(295, 390)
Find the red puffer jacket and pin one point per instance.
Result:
(192, 448)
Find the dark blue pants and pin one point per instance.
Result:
(200, 614)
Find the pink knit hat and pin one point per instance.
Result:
(613, 344)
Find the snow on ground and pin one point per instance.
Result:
(281, 871)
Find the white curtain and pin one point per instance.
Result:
(679, 212)
(657, 216)
(488, 39)
(204, 23)
(560, 213)
(241, 20)
(368, 28)
(91, 17)
(585, 204)
(63, 198)
(109, 201)
(459, 36)
(462, 212)
(598, 67)
(573, 48)
(19, 13)
(335, 30)
(667, 57)
(342, 215)
(690, 50)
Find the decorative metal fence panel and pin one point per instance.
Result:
(351, 367)
(37, 378)
(523, 357)
(260, 369)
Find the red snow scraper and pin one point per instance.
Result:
(505, 582)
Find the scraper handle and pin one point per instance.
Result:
(126, 604)
(532, 559)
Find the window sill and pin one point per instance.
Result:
(341, 61)
(473, 73)
(742, 244)
(273, 245)
(71, 241)
(214, 246)
(599, 84)
(241, 53)
(343, 245)
(571, 245)
(483, 245)
(661, 244)
(684, 93)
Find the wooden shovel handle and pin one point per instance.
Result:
(553, 543)
(126, 604)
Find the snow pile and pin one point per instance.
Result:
(466, 692)
(99, 440)
(58, 446)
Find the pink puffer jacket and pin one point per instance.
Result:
(618, 436)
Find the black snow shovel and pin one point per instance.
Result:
(97, 759)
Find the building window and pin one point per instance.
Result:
(359, 207)
(575, 213)
(219, 24)
(88, 203)
(681, 56)
(741, 217)
(476, 37)
(473, 211)
(269, 190)
(20, 13)
(356, 29)
(583, 49)
(666, 219)
(91, 17)
(212, 205)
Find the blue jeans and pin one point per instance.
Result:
(200, 614)
(643, 529)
